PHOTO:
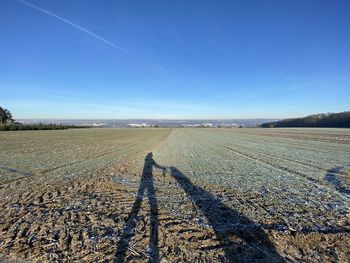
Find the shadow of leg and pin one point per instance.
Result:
(154, 252)
(146, 183)
(130, 225)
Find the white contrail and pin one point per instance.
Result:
(76, 26)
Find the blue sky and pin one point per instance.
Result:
(174, 59)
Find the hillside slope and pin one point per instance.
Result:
(339, 120)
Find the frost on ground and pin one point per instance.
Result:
(181, 195)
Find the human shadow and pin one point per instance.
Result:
(240, 238)
(331, 177)
(146, 183)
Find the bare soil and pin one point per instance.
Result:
(137, 210)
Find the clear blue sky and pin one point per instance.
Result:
(174, 59)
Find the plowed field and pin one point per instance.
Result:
(175, 195)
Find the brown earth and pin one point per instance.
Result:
(143, 212)
(82, 221)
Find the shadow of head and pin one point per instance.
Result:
(149, 159)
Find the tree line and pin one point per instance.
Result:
(334, 120)
(5, 116)
(7, 123)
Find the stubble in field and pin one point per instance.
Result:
(203, 194)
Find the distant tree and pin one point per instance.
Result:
(339, 120)
(2, 115)
(5, 116)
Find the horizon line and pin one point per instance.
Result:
(174, 119)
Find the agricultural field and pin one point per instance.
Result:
(175, 195)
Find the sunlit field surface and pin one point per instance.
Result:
(68, 153)
(251, 195)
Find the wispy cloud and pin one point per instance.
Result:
(76, 26)
(164, 69)
(290, 78)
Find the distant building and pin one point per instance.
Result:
(140, 125)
